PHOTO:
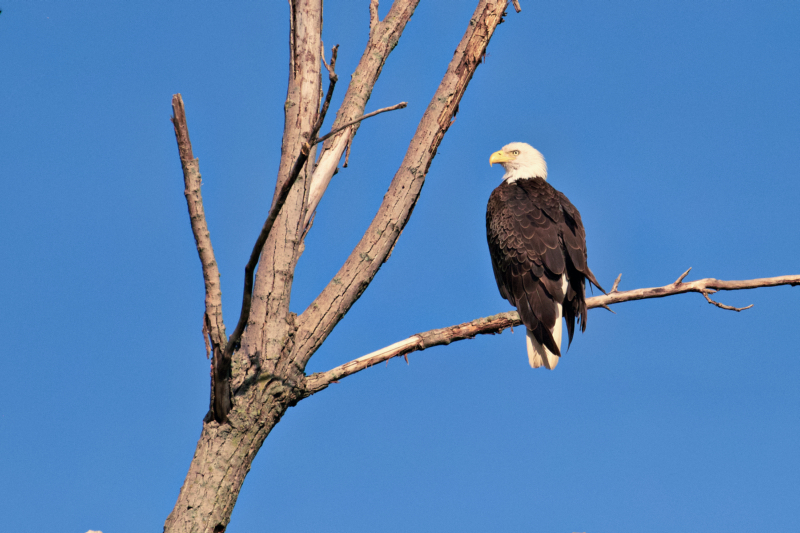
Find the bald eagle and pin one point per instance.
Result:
(538, 248)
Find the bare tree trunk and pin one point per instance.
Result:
(265, 374)
(222, 460)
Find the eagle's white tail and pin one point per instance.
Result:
(538, 354)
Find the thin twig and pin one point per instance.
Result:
(680, 278)
(347, 154)
(332, 78)
(722, 306)
(330, 67)
(517, 7)
(497, 323)
(333, 132)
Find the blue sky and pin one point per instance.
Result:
(674, 128)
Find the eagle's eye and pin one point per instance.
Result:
(515, 152)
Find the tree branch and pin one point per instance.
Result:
(497, 323)
(421, 341)
(708, 285)
(332, 79)
(677, 281)
(213, 325)
(319, 319)
(401, 105)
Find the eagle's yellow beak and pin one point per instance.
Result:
(500, 157)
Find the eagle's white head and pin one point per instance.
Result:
(521, 160)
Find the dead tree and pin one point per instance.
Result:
(259, 371)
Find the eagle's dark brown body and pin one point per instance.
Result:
(535, 237)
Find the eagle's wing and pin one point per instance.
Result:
(574, 238)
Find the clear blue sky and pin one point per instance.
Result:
(674, 128)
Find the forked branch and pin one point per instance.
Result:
(497, 323)
(283, 194)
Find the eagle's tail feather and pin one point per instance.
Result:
(538, 354)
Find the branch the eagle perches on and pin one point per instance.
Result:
(494, 324)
